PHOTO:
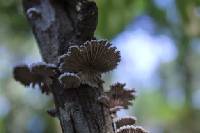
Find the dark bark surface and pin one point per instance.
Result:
(57, 24)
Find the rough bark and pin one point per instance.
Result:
(57, 24)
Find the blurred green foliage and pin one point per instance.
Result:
(152, 107)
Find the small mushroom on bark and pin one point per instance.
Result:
(131, 129)
(124, 121)
(23, 74)
(70, 80)
(117, 98)
(41, 74)
(90, 60)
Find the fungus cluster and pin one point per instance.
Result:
(40, 74)
(117, 98)
(83, 65)
(90, 60)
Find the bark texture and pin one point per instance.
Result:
(58, 24)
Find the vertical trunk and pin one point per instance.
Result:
(57, 24)
(80, 112)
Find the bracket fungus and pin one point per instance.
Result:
(42, 68)
(69, 80)
(90, 60)
(118, 97)
(124, 121)
(131, 129)
(39, 73)
(22, 73)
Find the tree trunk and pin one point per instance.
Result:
(57, 24)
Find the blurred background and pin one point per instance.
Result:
(159, 43)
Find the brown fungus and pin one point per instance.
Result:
(93, 80)
(118, 90)
(70, 80)
(91, 57)
(48, 70)
(131, 129)
(90, 60)
(124, 121)
(39, 73)
(120, 96)
(23, 74)
(117, 98)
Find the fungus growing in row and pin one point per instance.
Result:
(84, 65)
(117, 98)
(37, 74)
(90, 60)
